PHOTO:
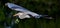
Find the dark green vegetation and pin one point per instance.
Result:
(50, 7)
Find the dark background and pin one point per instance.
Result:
(49, 7)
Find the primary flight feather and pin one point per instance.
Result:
(23, 10)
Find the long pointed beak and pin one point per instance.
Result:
(6, 4)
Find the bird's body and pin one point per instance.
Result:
(22, 15)
(23, 10)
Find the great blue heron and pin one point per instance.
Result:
(25, 12)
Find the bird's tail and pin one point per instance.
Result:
(39, 16)
(47, 17)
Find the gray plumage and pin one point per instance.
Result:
(24, 10)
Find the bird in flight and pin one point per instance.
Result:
(23, 12)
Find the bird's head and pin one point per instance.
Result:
(6, 4)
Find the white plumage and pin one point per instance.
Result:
(25, 13)
(22, 15)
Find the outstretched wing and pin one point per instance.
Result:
(19, 8)
(16, 7)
